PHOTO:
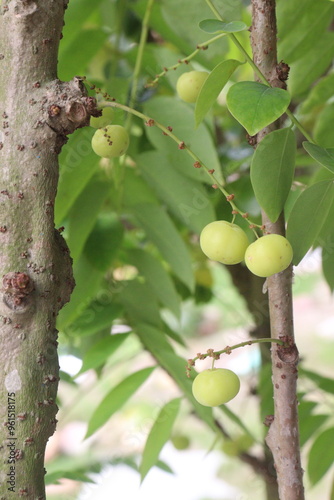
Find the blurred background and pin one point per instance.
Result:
(146, 296)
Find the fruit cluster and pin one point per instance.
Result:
(226, 242)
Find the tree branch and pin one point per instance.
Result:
(283, 435)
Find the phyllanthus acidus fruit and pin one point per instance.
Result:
(189, 85)
(102, 121)
(215, 386)
(110, 141)
(268, 255)
(224, 242)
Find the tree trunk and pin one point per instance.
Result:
(38, 111)
(283, 435)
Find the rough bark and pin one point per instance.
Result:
(38, 111)
(283, 434)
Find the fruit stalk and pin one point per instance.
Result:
(283, 434)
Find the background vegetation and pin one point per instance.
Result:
(146, 297)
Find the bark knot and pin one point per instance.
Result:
(288, 353)
(16, 286)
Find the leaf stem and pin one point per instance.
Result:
(150, 122)
(139, 58)
(200, 46)
(228, 349)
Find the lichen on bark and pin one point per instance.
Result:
(38, 111)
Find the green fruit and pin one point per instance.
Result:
(234, 447)
(215, 387)
(203, 276)
(230, 448)
(224, 242)
(102, 121)
(189, 85)
(110, 141)
(180, 442)
(268, 255)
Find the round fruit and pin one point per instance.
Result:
(224, 242)
(102, 121)
(110, 141)
(189, 85)
(268, 255)
(234, 447)
(180, 442)
(215, 387)
(203, 276)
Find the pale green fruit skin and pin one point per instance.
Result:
(104, 120)
(180, 442)
(215, 387)
(110, 141)
(224, 242)
(189, 85)
(268, 255)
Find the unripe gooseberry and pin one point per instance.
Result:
(110, 141)
(102, 121)
(215, 386)
(268, 255)
(224, 242)
(189, 85)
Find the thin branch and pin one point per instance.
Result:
(283, 434)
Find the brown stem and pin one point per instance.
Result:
(283, 434)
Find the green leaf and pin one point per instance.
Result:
(307, 217)
(272, 170)
(152, 218)
(255, 105)
(159, 435)
(315, 62)
(55, 477)
(331, 497)
(319, 94)
(83, 215)
(323, 130)
(78, 163)
(104, 241)
(237, 420)
(324, 383)
(324, 156)
(328, 266)
(309, 423)
(216, 26)
(179, 115)
(184, 18)
(265, 388)
(136, 190)
(116, 398)
(88, 281)
(300, 26)
(99, 314)
(155, 341)
(321, 456)
(76, 14)
(140, 303)
(157, 277)
(309, 427)
(186, 198)
(212, 87)
(99, 352)
(77, 55)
